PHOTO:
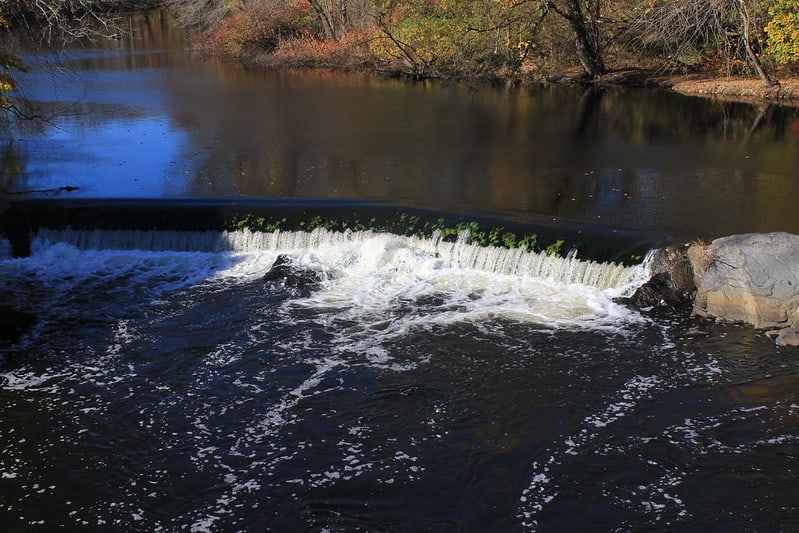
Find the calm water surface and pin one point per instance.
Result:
(141, 119)
(412, 388)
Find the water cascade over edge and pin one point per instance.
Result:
(462, 253)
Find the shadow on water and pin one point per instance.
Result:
(588, 108)
(593, 242)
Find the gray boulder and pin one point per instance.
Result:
(752, 278)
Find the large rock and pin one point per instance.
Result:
(751, 278)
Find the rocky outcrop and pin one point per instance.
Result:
(752, 278)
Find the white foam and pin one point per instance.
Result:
(69, 266)
(30, 381)
(541, 489)
(384, 282)
(460, 253)
(392, 284)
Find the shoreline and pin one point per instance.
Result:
(738, 89)
(749, 90)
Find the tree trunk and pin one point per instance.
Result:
(751, 56)
(586, 38)
(324, 20)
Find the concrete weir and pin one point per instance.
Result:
(751, 278)
(23, 219)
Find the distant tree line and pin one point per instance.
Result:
(501, 39)
(505, 38)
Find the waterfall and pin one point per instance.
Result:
(461, 253)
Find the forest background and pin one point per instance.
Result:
(643, 42)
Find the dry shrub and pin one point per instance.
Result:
(260, 28)
(702, 257)
(349, 52)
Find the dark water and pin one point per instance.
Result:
(177, 391)
(139, 118)
(172, 391)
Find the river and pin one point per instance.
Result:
(141, 118)
(415, 384)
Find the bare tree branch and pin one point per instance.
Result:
(726, 27)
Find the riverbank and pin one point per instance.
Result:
(749, 90)
(698, 83)
(290, 38)
(731, 88)
(703, 84)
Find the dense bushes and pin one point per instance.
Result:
(420, 38)
(450, 38)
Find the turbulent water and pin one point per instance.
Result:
(419, 385)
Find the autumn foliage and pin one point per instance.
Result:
(259, 28)
(783, 31)
(503, 38)
(480, 39)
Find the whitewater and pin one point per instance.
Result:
(420, 384)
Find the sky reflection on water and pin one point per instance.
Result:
(138, 157)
